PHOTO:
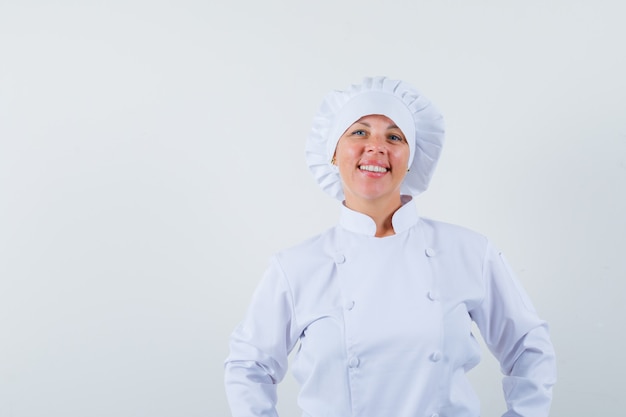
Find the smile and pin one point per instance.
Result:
(372, 168)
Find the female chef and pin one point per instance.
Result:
(380, 306)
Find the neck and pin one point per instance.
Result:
(381, 211)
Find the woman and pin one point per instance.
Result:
(381, 305)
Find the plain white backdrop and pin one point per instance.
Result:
(152, 159)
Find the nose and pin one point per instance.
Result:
(376, 144)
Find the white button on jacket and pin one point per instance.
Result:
(383, 325)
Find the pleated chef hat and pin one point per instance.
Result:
(419, 120)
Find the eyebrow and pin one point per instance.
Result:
(393, 126)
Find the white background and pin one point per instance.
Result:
(152, 159)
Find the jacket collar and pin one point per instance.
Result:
(403, 219)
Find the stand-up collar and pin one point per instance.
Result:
(404, 218)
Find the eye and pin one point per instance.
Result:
(359, 132)
(397, 138)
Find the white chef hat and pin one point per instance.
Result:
(419, 120)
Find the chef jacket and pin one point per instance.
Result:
(383, 325)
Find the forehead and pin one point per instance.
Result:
(376, 118)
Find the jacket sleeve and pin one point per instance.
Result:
(259, 347)
(518, 338)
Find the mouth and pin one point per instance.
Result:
(373, 168)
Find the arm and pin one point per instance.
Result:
(259, 347)
(518, 338)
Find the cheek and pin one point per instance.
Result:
(345, 153)
(402, 157)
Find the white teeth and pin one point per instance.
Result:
(373, 168)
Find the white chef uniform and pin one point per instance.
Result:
(384, 325)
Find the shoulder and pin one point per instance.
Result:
(310, 245)
(309, 253)
(451, 230)
(451, 236)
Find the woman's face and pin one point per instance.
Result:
(372, 156)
